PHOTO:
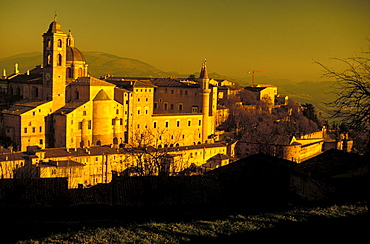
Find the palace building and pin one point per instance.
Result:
(62, 106)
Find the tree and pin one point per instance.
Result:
(150, 148)
(352, 103)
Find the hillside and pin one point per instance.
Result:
(99, 64)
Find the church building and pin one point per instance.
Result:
(62, 106)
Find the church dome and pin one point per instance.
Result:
(55, 27)
(73, 54)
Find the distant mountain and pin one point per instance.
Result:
(99, 64)
(316, 93)
(26, 61)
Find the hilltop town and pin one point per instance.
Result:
(59, 122)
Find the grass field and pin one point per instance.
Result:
(328, 224)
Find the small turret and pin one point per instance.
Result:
(70, 40)
(16, 70)
(4, 74)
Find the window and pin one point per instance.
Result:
(172, 91)
(25, 130)
(33, 129)
(186, 92)
(178, 123)
(59, 60)
(113, 121)
(189, 122)
(166, 124)
(48, 58)
(41, 141)
(160, 100)
(194, 109)
(77, 95)
(138, 111)
(89, 124)
(71, 122)
(80, 125)
(40, 129)
(69, 73)
(165, 106)
(60, 43)
(33, 113)
(154, 124)
(172, 106)
(199, 122)
(180, 106)
(117, 111)
(83, 113)
(155, 105)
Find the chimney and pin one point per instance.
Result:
(4, 74)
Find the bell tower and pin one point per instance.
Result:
(54, 63)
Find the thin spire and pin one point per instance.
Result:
(70, 39)
(203, 71)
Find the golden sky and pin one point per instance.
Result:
(282, 37)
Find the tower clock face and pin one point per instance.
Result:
(47, 76)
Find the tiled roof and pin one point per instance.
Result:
(24, 106)
(12, 156)
(102, 95)
(91, 81)
(254, 89)
(130, 83)
(31, 78)
(69, 107)
(75, 152)
(220, 157)
(169, 82)
(64, 163)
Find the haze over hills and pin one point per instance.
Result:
(316, 93)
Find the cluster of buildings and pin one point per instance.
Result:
(66, 123)
(63, 109)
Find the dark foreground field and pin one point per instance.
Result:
(346, 223)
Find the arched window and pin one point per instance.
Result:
(69, 73)
(80, 72)
(48, 43)
(48, 59)
(59, 60)
(98, 143)
(77, 95)
(60, 43)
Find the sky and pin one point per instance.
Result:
(283, 37)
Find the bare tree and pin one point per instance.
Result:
(150, 148)
(352, 104)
